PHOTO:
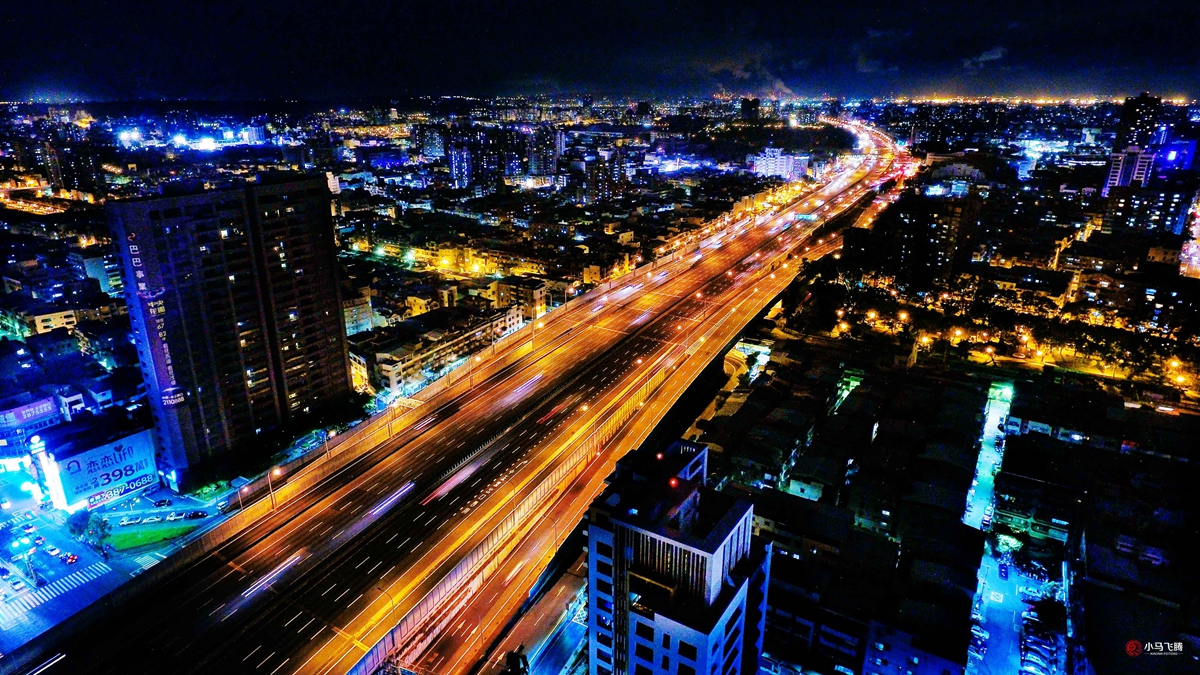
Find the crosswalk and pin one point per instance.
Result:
(11, 610)
(147, 561)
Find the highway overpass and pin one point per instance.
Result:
(382, 549)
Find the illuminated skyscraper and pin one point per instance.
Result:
(460, 160)
(543, 152)
(233, 298)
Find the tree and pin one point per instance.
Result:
(98, 529)
(77, 524)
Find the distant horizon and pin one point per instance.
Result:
(1041, 99)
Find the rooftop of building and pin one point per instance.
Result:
(87, 430)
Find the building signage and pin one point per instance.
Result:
(29, 413)
(106, 472)
(150, 293)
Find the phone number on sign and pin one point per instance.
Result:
(112, 493)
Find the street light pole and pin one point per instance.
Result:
(241, 507)
(391, 600)
(271, 487)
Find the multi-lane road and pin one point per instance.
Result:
(314, 588)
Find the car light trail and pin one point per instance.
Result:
(385, 504)
(270, 578)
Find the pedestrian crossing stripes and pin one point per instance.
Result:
(14, 608)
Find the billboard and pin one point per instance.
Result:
(30, 413)
(100, 475)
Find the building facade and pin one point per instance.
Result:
(677, 583)
(236, 313)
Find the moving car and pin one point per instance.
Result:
(161, 503)
(1003, 571)
(222, 507)
(192, 515)
(71, 559)
(53, 550)
(39, 540)
(17, 584)
(5, 504)
(4, 573)
(28, 528)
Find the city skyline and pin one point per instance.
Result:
(311, 50)
(600, 339)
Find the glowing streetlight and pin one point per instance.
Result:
(903, 316)
(872, 315)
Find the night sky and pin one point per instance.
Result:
(249, 49)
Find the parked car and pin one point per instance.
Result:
(175, 515)
(17, 584)
(222, 507)
(161, 503)
(4, 573)
(151, 520)
(5, 504)
(1029, 593)
(1003, 571)
(1035, 659)
(126, 521)
(29, 528)
(980, 633)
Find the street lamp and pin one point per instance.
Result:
(270, 487)
(241, 507)
(391, 600)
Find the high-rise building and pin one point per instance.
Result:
(1162, 207)
(430, 141)
(1139, 122)
(543, 152)
(460, 160)
(677, 583)
(604, 178)
(1130, 167)
(46, 161)
(81, 168)
(750, 108)
(233, 297)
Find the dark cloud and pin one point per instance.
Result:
(977, 62)
(306, 48)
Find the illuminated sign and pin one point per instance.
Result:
(150, 293)
(102, 474)
(32, 412)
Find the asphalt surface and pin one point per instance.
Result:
(312, 589)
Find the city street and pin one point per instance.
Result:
(983, 490)
(300, 600)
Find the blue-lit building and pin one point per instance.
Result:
(234, 304)
(677, 583)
